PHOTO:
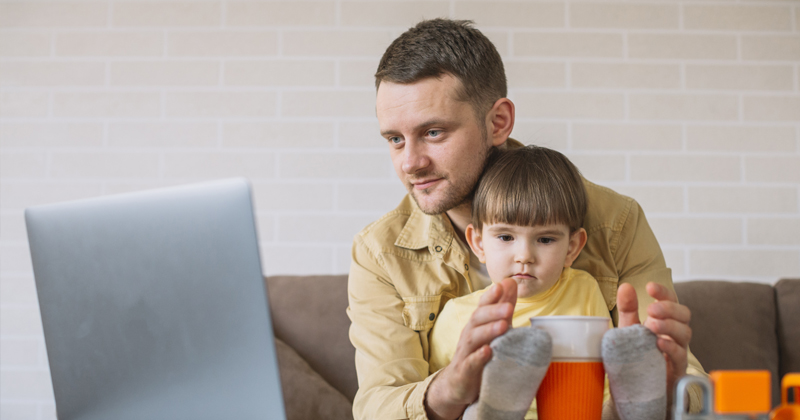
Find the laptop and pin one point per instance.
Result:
(154, 306)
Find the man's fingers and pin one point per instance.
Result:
(475, 362)
(667, 309)
(480, 335)
(660, 292)
(627, 305)
(674, 351)
(509, 291)
(491, 296)
(490, 313)
(679, 332)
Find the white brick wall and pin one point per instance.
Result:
(691, 107)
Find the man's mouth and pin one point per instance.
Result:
(424, 184)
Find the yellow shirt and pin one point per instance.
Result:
(407, 265)
(575, 293)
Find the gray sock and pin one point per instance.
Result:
(510, 380)
(637, 373)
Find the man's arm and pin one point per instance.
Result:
(392, 369)
(389, 361)
(652, 297)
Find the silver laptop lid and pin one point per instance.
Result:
(154, 306)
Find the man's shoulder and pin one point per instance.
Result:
(387, 228)
(606, 208)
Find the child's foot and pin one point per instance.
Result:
(637, 373)
(510, 380)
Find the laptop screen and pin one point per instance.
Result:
(154, 306)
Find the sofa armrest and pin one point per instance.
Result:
(309, 314)
(787, 298)
(305, 394)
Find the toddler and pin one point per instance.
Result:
(527, 215)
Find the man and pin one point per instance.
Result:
(441, 104)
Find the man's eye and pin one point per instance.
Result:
(434, 133)
(505, 238)
(395, 140)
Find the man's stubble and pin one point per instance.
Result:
(457, 195)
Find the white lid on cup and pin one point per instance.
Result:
(575, 338)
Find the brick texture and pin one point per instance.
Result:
(692, 108)
(110, 44)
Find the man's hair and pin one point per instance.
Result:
(529, 186)
(442, 46)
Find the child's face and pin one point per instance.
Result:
(532, 256)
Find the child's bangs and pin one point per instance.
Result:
(523, 203)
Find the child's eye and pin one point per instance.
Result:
(505, 238)
(546, 240)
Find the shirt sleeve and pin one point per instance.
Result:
(392, 372)
(640, 261)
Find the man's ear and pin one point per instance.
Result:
(475, 242)
(577, 240)
(500, 121)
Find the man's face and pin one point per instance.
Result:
(438, 146)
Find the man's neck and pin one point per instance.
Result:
(460, 218)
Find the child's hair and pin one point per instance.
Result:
(529, 186)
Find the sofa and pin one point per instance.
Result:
(736, 325)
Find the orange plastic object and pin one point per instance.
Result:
(787, 411)
(741, 391)
(571, 391)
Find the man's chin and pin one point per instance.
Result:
(430, 204)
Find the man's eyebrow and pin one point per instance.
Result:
(420, 126)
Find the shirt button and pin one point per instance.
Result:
(431, 316)
(438, 248)
(466, 267)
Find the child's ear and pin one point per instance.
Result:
(577, 240)
(475, 242)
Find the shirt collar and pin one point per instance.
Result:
(421, 230)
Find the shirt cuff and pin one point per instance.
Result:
(695, 398)
(416, 401)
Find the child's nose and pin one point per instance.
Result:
(524, 255)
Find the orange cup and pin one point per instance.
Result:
(572, 389)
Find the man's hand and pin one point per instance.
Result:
(457, 385)
(666, 318)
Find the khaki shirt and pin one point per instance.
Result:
(407, 264)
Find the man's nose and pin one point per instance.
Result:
(414, 158)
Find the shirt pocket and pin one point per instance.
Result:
(420, 312)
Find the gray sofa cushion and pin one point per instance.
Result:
(308, 314)
(787, 294)
(305, 394)
(733, 326)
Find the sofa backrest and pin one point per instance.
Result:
(733, 326)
